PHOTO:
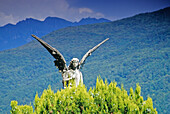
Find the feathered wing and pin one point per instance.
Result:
(90, 51)
(60, 61)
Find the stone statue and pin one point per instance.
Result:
(71, 74)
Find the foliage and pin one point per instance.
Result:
(26, 109)
(104, 98)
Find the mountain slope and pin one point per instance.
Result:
(12, 36)
(137, 52)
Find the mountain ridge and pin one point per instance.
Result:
(12, 36)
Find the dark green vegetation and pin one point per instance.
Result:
(103, 99)
(137, 52)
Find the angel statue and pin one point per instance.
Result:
(71, 74)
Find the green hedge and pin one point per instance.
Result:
(104, 98)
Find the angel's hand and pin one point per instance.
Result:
(67, 79)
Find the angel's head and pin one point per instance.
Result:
(74, 63)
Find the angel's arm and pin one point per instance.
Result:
(90, 51)
(60, 62)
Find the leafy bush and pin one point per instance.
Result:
(104, 98)
(26, 109)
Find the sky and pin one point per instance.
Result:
(13, 11)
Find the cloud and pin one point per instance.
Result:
(5, 19)
(12, 11)
(99, 15)
(85, 10)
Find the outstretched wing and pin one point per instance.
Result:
(90, 51)
(60, 61)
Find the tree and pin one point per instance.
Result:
(104, 98)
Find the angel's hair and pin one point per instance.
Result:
(71, 63)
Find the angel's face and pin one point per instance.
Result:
(75, 64)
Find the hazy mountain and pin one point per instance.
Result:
(12, 36)
(137, 52)
(86, 21)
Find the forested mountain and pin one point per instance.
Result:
(12, 36)
(137, 52)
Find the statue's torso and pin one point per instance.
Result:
(73, 76)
